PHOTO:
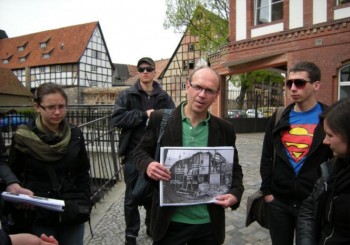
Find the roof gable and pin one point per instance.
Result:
(10, 84)
(64, 45)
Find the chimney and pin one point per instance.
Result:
(3, 34)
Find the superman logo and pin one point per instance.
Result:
(298, 140)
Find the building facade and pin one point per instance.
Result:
(275, 34)
(184, 60)
(75, 57)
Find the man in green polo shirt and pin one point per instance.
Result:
(191, 125)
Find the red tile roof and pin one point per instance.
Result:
(10, 84)
(66, 45)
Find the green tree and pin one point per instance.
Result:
(248, 79)
(207, 20)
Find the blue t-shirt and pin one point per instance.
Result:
(298, 139)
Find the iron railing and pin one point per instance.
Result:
(101, 140)
(101, 143)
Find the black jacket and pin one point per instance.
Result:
(221, 133)
(5, 172)
(4, 238)
(279, 179)
(130, 115)
(9, 178)
(324, 216)
(72, 173)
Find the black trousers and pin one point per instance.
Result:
(282, 222)
(131, 208)
(187, 234)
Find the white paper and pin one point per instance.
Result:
(48, 203)
(198, 174)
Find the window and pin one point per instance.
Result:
(43, 45)
(344, 82)
(191, 64)
(22, 59)
(22, 46)
(93, 68)
(96, 54)
(267, 11)
(58, 68)
(5, 61)
(42, 69)
(191, 47)
(46, 56)
(339, 2)
(184, 65)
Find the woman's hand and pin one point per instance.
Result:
(17, 189)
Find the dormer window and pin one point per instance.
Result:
(6, 59)
(22, 46)
(47, 54)
(44, 43)
(23, 57)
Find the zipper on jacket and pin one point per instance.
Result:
(329, 221)
(328, 237)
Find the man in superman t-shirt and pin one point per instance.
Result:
(292, 152)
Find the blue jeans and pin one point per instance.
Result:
(64, 234)
(131, 209)
(282, 222)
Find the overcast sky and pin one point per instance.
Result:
(131, 28)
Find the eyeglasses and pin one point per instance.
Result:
(52, 108)
(199, 89)
(299, 83)
(147, 68)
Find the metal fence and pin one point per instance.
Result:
(101, 140)
(260, 104)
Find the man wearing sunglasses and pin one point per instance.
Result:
(132, 109)
(292, 152)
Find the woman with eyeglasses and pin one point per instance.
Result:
(48, 156)
(324, 217)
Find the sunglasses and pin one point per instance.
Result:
(298, 83)
(148, 69)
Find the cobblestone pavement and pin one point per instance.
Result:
(108, 217)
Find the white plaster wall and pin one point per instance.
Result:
(241, 20)
(267, 30)
(319, 9)
(342, 13)
(296, 11)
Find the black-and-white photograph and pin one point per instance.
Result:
(198, 174)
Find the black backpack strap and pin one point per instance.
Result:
(165, 118)
(279, 112)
